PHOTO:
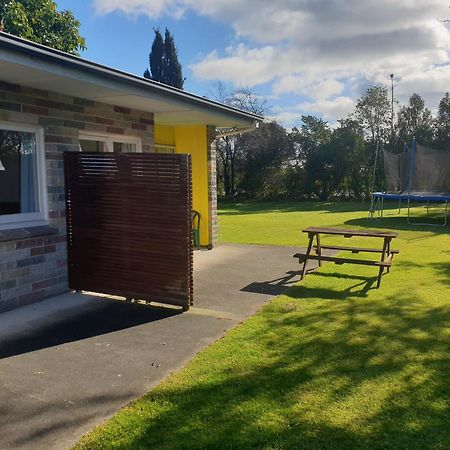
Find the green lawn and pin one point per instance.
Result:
(333, 364)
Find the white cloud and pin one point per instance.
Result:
(312, 87)
(330, 109)
(243, 66)
(286, 117)
(150, 8)
(322, 49)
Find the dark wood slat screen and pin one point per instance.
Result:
(129, 225)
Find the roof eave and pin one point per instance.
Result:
(53, 58)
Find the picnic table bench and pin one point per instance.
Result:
(387, 254)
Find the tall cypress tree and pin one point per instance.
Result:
(163, 59)
(156, 59)
(174, 75)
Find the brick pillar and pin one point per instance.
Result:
(212, 185)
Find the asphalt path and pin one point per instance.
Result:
(70, 362)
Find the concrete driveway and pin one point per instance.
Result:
(68, 363)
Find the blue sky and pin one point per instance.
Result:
(123, 41)
(304, 57)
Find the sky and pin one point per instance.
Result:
(304, 56)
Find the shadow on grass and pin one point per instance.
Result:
(359, 289)
(391, 221)
(280, 286)
(337, 375)
(441, 269)
(353, 290)
(397, 223)
(273, 206)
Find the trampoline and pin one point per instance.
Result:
(419, 174)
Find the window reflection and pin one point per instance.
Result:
(18, 172)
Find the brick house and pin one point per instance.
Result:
(51, 102)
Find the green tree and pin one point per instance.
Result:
(313, 133)
(330, 162)
(334, 167)
(156, 58)
(173, 71)
(373, 113)
(443, 123)
(355, 161)
(41, 22)
(415, 119)
(265, 151)
(163, 61)
(307, 141)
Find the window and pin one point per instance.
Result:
(22, 180)
(87, 145)
(161, 148)
(109, 143)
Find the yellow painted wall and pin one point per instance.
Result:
(192, 140)
(164, 135)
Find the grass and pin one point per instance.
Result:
(333, 364)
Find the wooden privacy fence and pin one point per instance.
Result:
(129, 225)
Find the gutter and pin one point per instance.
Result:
(236, 131)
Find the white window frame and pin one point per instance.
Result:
(108, 140)
(21, 220)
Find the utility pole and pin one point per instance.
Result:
(392, 103)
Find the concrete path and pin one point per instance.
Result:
(70, 362)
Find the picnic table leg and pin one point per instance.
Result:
(388, 253)
(308, 251)
(383, 255)
(319, 249)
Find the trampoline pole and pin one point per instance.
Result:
(411, 165)
(410, 176)
(371, 209)
(405, 149)
(375, 166)
(372, 187)
(408, 219)
(416, 196)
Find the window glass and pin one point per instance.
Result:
(18, 172)
(124, 147)
(91, 146)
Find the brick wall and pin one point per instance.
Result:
(33, 261)
(212, 185)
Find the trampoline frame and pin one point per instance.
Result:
(377, 206)
(377, 199)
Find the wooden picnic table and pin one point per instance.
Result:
(387, 254)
